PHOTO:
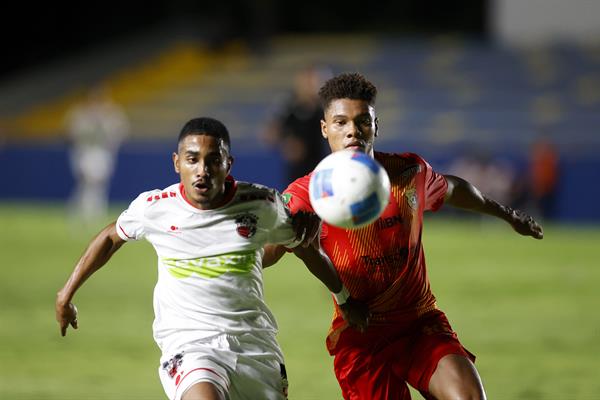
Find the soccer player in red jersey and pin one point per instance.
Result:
(408, 339)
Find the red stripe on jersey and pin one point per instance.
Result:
(125, 233)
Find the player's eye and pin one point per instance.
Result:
(214, 161)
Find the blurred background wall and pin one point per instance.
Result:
(505, 93)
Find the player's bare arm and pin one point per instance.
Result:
(307, 226)
(463, 194)
(98, 252)
(355, 312)
(273, 253)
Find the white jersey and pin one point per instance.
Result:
(209, 261)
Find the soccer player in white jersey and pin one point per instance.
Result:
(216, 334)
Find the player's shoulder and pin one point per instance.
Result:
(300, 185)
(401, 163)
(155, 196)
(296, 196)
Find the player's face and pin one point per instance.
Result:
(203, 163)
(350, 124)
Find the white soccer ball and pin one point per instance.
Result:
(349, 189)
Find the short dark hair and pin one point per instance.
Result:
(347, 86)
(205, 126)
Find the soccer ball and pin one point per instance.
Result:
(349, 189)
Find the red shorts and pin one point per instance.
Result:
(378, 364)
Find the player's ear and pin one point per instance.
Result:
(176, 162)
(376, 126)
(324, 128)
(229, 164)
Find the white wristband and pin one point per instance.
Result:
(341, 296)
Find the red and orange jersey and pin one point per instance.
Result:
(383, 263)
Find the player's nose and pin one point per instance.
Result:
(353, 130)
(201, 168)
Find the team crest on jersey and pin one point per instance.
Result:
(246, 224)
(411, 197)
(172, 366)
(286, 197)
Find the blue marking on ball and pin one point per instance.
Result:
(321, 183)
(366, 160)
(365, 209)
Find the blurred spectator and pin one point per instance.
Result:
(543, 167)
(492, 176)
(3, 136)
(296, 128)
(96, 127)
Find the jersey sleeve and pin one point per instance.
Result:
(435, 188)
(282, 231)
(130, 224)
(296, 196)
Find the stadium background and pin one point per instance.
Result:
(451, 79)
(483, 75)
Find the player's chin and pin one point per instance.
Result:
(202, 197)
(201, 191)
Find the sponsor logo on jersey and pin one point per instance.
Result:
(258, 193)
(388, 222)
(211, 267)
(257, 196)
(410, 172)
(397, 258)
(246, 224)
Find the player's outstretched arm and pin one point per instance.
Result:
(98, 252)
(463, 194)
(273, 253)
(355, 312)
(307, 226)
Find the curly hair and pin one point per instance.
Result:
(347, 86)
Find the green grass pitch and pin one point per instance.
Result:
(528, 309)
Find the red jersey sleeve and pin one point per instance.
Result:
(435, 188)
(296, 195)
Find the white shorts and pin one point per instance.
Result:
(240, 366)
